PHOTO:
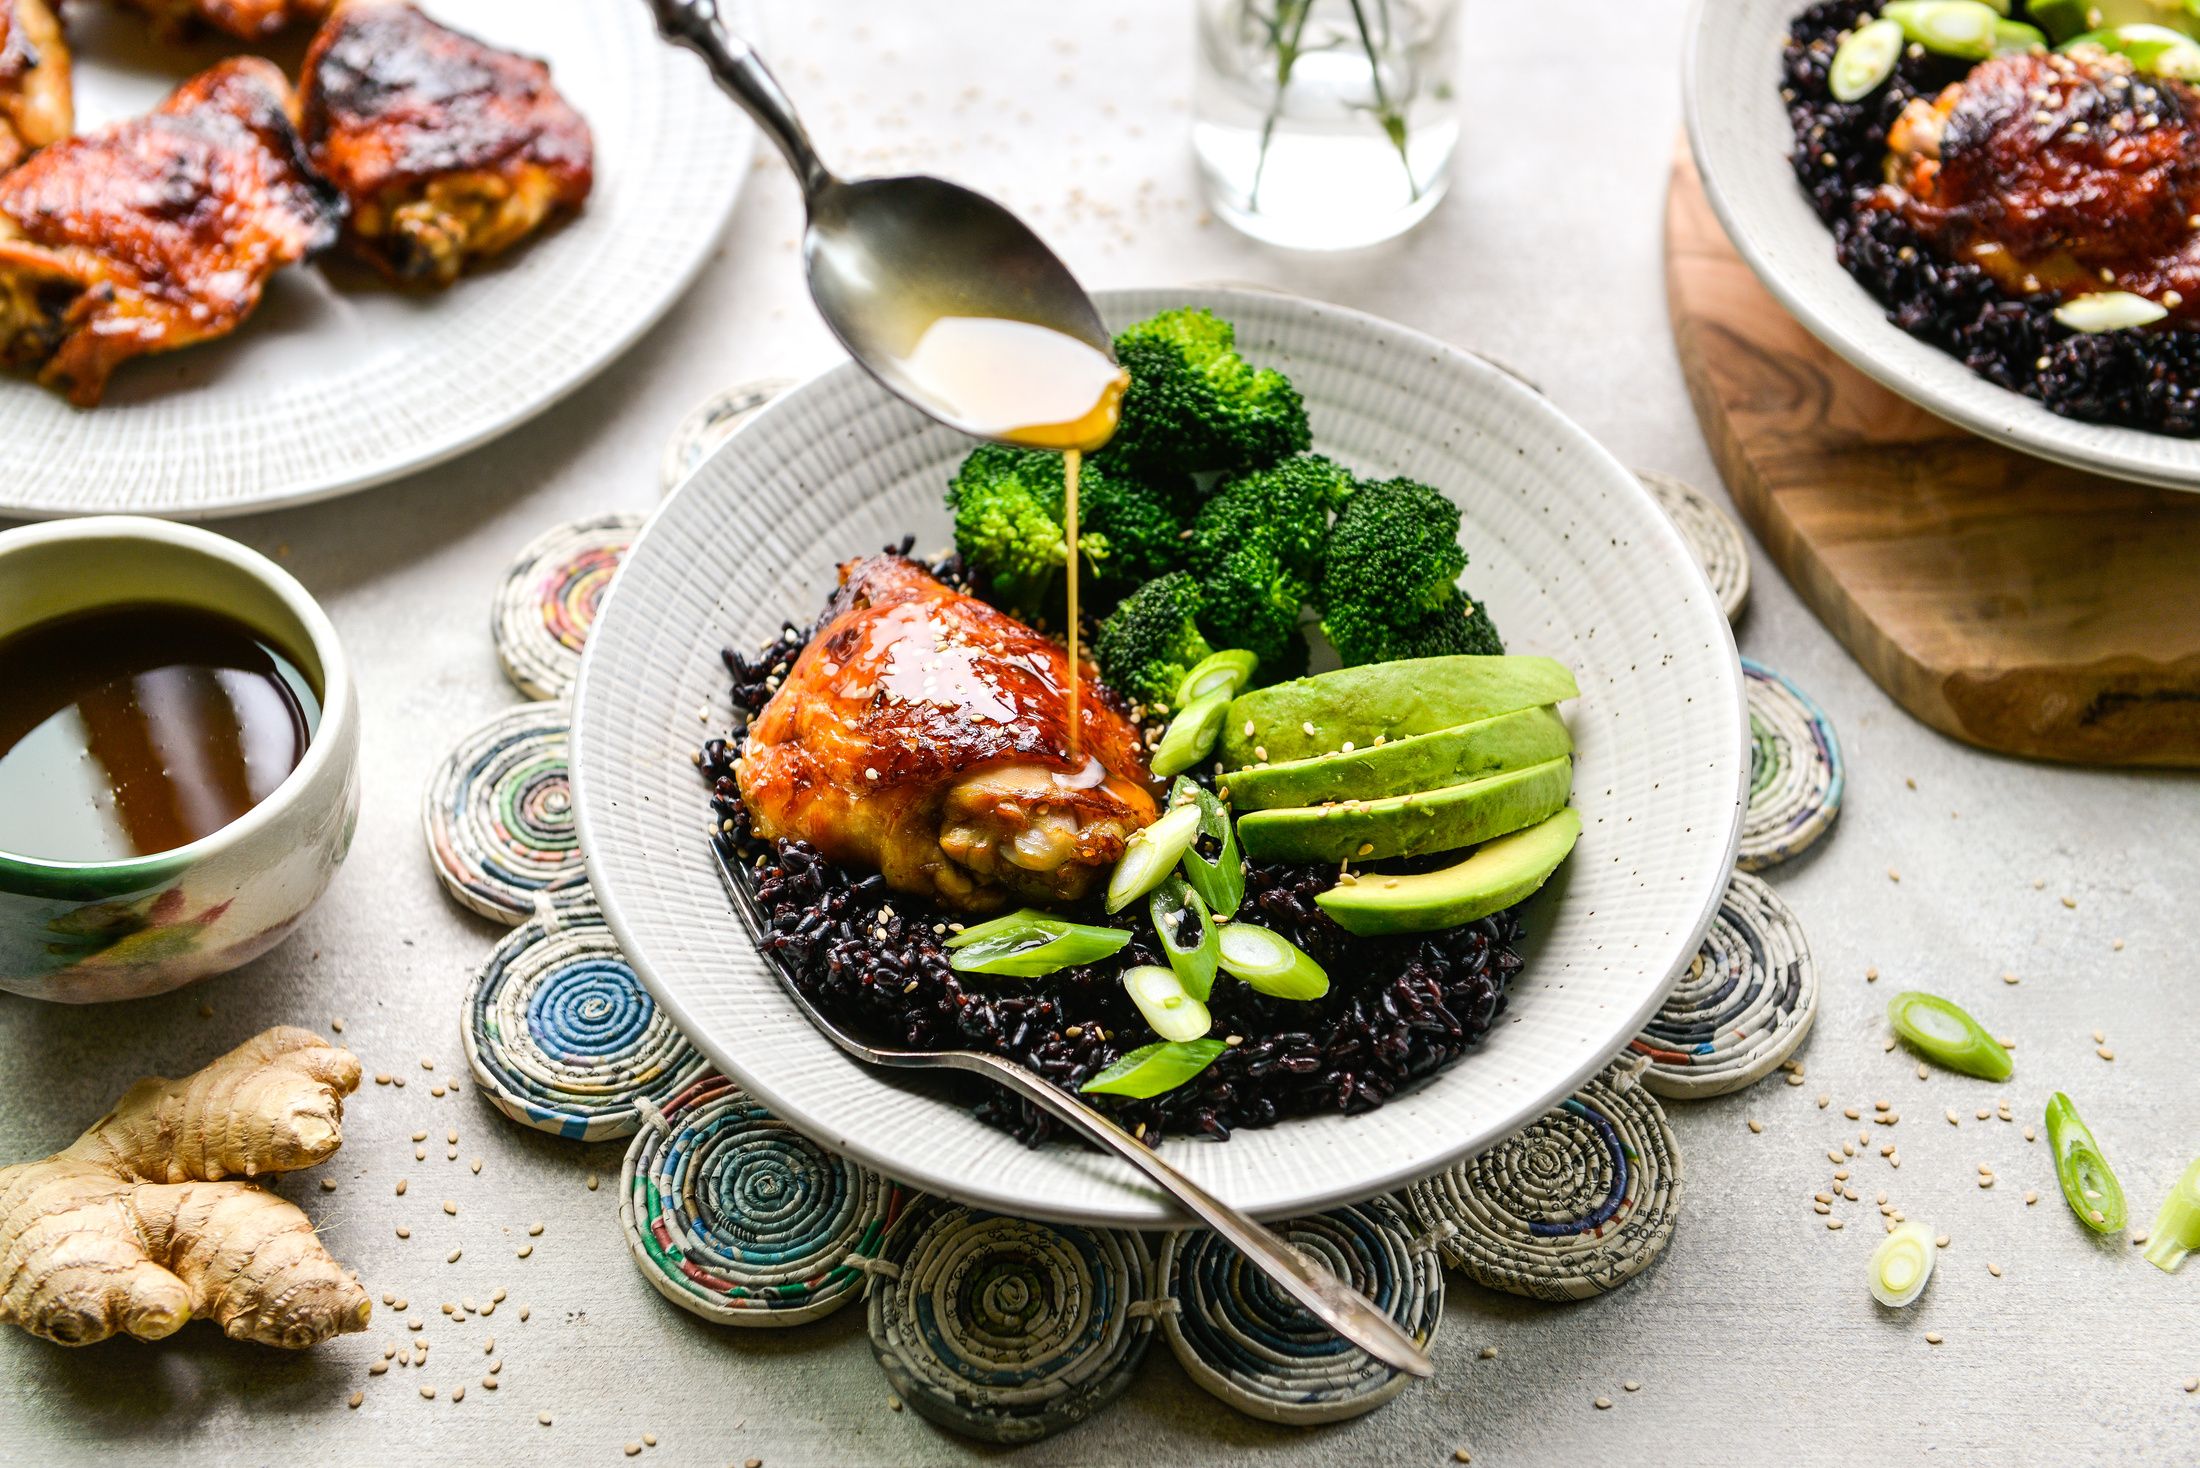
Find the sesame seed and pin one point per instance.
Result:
(453, 1259)
(1834, 1224)
(1631, 1386)
(450, 1208)
(525, 1250)
(1871, 975)
(1755, 1125)
(2105, 1053)
(543, 1418)
(1932, 1338)
(1993, 1269)
(1489, 1353)
(1941, 1242)
(594, 1182)
(1604, 1404)
(428, 1393)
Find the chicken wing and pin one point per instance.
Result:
(36, 104)
(926, 734)
(449, 150)
(156, 233)
(247, 20)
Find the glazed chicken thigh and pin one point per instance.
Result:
(37, 106)
(158, 232)
(449, 150)
(926, 734)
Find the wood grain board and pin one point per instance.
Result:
(2009, 602)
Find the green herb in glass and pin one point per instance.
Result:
(2176, 1230)
(1174, 906)
(2088, 1184)
(1150, 855)
(1030, 945)
(1165, 1003)
(1946, 1035)
(1271, 963)
(1220, 882)
(1153, 1069)
(1284, 24)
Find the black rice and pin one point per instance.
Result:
(2147, 379)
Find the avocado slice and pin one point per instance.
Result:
(1503, 872)
(1410, 825)
(1401, 766)
(1396, 700)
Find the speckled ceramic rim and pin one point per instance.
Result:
(335, 689)
(1740, 136)
(649, 860)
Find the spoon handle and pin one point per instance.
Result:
(743, 76)
(1339, 1306)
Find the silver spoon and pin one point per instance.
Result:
(1335, 1303)
(885, 255)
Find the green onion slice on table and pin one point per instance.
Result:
(1150, 855)
(1030, 945)
(1945, 1034)
(2176, 1230)
(1188, 935)
(1226, 673)
(1191, 735)
(1166, 1003)
(1220, 882)
(1902, 1264)
(1269, 962)
(1152, 1069)
(2088, 1184)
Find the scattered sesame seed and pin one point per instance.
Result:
(1604, 1404)
(428, 1392)
(404, 1232)
(450, 1207)
(2105, 1053)
(543, 1418)
(1941, 1242)
(1871, 976)
(1631, 1386)
(1932, 1337)
(1993, 1269)
(1489, 1353)
(525, 1250)
(594, 1182)
(453, 1259)
(1834, 1224)
(1755, 1125)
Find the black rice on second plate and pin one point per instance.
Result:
(1398, 1009)
(2148, 379)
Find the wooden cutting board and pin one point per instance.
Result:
(2009, 602)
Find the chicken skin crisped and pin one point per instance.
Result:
(2068, 173)
(450, 150)
(37, 106)
(926, 734)
(156, 233)
(247, 20)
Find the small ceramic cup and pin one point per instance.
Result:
(83, 933)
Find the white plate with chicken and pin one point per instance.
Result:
(260, 252)
(1986, 208)
(856, 757)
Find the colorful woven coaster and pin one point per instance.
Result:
(733, 1214)
(712, 422)
(1575, 1205)
(561, 1035)
(1795, 771)
(1249, 1343)
(499, 814)
(1712, 535)
(1742, 1007)
(547, 602)
(1004, 1329)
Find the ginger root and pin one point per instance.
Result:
(136, 1227)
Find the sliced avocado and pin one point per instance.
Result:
(1503, 872)
(1409, 825)
(1401, 766)
(1396, 700)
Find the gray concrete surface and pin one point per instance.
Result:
(1753, 1340)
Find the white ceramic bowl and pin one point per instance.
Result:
(1568, 550)
(1739, 129)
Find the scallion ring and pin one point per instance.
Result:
(1168, 1007)
(1174, 907)
(1218, 672)
(1864, 60)
(1191, 736)
(1030, 945)
(1220, 882)
(2176, 1230)
(1902, 1264)
(1959, 28)
(1153, 1069)
(2088, 1183)
(1150, 855)
(1269, 962)
(1946, 1035)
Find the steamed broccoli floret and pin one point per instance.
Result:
(1390, 588)
(1152, 640)
(1256, 551)
(1007, 505)
(1138, 516)
(1194, 405)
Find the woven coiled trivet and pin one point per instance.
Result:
(1795, 771)
(1575, 1205)
(1250, 1344)
(499, 814)
(713, 421)
(1743, 1006)
(1005, 1329)
(1712, 534)
(546, 605)
(735, 1215)
(561, 1035)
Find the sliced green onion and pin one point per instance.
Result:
(1191, 735)
(1902, 1264)
(2015, 38)
(1865, 60)
(2176, 1230)
(1173, 1011)
(1030, 945)
(2140, 44)
(1150, 855)
(1152, 1069)
(1947, 1036)
(1174, 906)
(2088, 1184)
(2061, 19)
(2109, 311)
(1218, 672)
(1270, 963)
(1960, 28)
(1221, 882)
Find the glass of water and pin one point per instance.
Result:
(1325, 124)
